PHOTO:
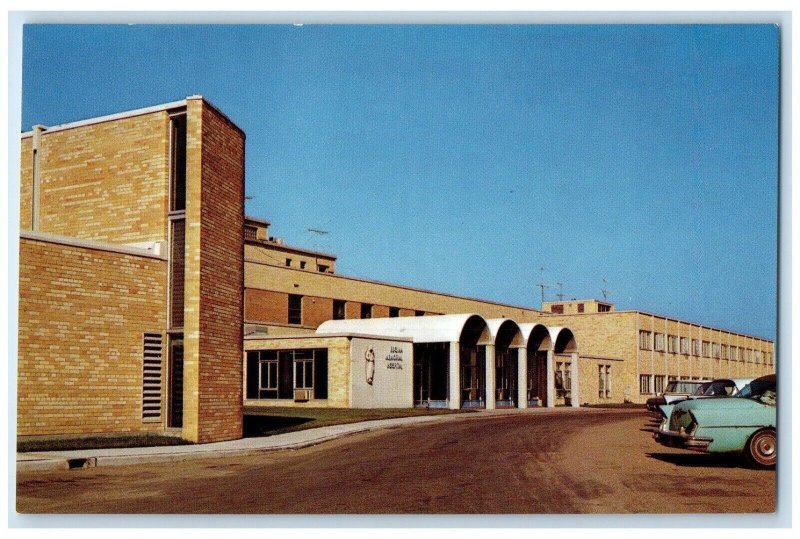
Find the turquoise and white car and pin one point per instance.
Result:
(743, 424)
(720, 387)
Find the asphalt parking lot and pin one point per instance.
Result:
(583, 461)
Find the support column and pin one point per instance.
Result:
(454, 382)
(491, 383)
(576, 383)
(551, 380)
(522, 377)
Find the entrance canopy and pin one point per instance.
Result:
(421, 329)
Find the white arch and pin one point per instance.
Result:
(528, 329)
(496, 324)
(421, 329)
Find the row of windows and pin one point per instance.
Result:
(650, 383)
(322, 268)
(647, 341)
(280, 374)
(295, 310)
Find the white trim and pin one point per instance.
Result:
(262, 337)
(90, 244)
(109, 118)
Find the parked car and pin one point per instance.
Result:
(721, 387)
(676, 389)
(742, 424)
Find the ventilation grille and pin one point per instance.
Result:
(152, 377)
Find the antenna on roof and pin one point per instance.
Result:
(542, 285)
(560, 291)
(318, 231)
(605, 290)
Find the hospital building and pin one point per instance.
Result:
(149, 302)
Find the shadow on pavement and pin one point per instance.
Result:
(256, 426)
(700, 460)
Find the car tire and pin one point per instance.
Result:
(762, 449)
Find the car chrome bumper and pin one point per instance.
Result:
(685, 441)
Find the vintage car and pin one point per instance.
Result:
(741, 424)
(676, 390)
(721, 387)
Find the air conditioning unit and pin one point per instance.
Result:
(302, 395)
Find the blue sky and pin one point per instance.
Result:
(466, 158)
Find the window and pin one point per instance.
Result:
(671, 377)
(419, 313)
(580, 307)
(672, 344)
(715, 350)
(366, 310)
(644, 340)
(706, 349)
(557, 309)
(724, 351)
(734, 353)
(645, 384)
(604, 381)
(275, 374)
(695, 347)
(178, 164)
(659, 342)
(658, 381)
(302, 264)
(288, 262)
(684, 345)
(295, 309)
(563, 381)
(603, 308)
(394, 312)
(322, 268)
(742, 356)
(338, 309)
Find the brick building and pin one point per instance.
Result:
(149, 303)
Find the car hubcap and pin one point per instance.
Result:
(765, 449)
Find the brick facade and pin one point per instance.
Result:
(82, 322)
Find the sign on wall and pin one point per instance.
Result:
(381, 373)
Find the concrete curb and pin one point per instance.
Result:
(90, 458)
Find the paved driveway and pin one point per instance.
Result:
(583, 461)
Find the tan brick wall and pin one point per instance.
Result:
(276, 255)
(106, 181)
(338, 369)
(221, 278)
(380, 311)
(26, 182)
(383, 296)
(80, 337)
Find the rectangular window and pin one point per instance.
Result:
(338, 309)
(419, 313)
(601, 381)
(695, 347)
(602, 308)
(275, 374)
(557, 309)
(672, 344)
(723, 352)
(322, 268)
(645, 384)
(295, 309)
(644, 340)
(302, 264)
(288, 262)
(366, 310)
(580, 307)
(394, 312)
(684, 345)
(178, 163)
(706, 349)
(608, 381)
(658, 382)
(659, 342)
(715, 350)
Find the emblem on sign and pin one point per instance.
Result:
(369, 357)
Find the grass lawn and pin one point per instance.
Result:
(269, 421)
(105, 441)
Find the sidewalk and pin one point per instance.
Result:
(88, 458)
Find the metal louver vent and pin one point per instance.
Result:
(152, 377)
